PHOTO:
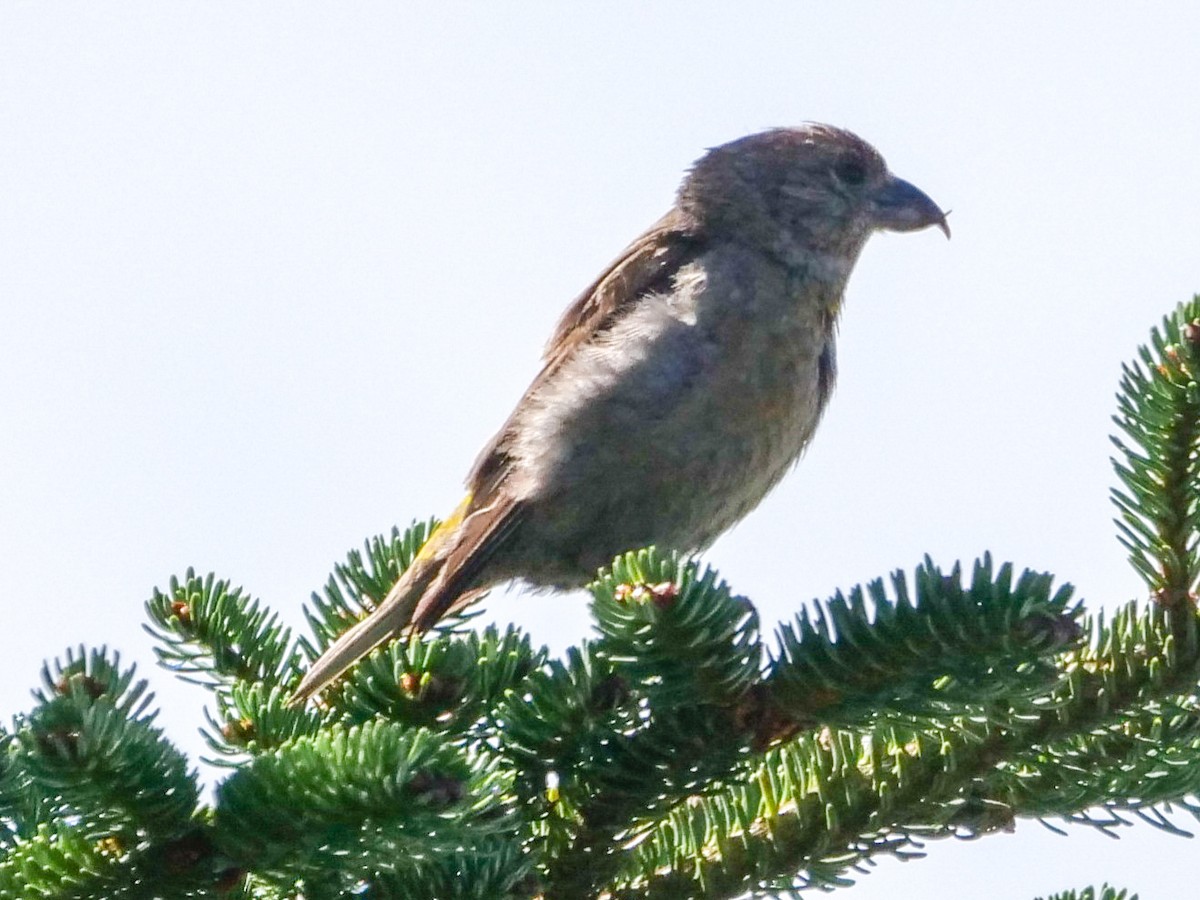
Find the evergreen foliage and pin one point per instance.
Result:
(1105, 893)
(677, 753)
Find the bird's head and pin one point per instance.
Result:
(795, 192)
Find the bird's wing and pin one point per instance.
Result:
(646, 266)
(444, 575)
(492, 513)
(474, 542)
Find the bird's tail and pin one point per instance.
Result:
(443, 577)
(391, 617)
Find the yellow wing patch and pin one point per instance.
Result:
(444, 529)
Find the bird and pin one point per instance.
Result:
(676, 390)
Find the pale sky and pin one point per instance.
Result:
(270, 274)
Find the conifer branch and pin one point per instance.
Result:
(672, 756)
(1104, 893)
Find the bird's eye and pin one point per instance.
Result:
(850, 171)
